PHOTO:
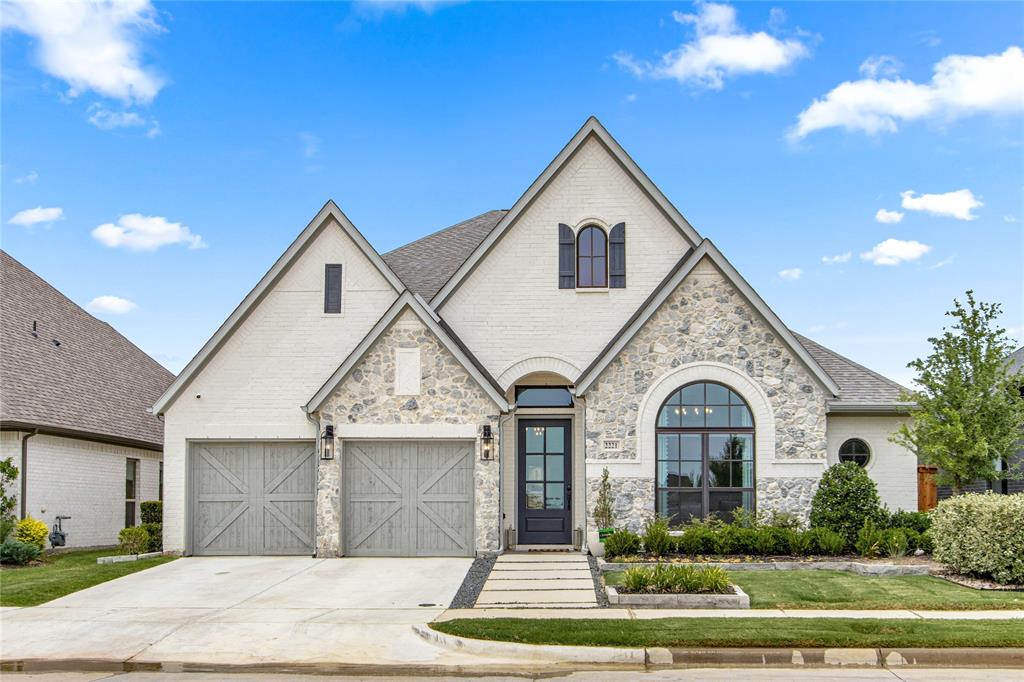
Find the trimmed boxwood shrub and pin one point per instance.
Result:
(156, 536)
(133, 540)
(152, 511)
(18, 553)
(621, 543)
(697, 539)
(846, 498)
(912, 520)
(981, 535)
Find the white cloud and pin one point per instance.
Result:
(90, 45)
(111, 304)
(882, 65)
(720, 49)
(145, 233)
(31, 217)
(958, 204)
(962, 85)
(631, 97)
(105, 119)
(791, 274)
(941, 264)
(27, 179)
(895, 251)
(840, 258)
(310, 144)
(1009, 218)
(888, 217)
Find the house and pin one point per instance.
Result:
(74, 401)
(464, 392)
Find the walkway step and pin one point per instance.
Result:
(541, 558)
(530, 566)
(537, 596)
(569, 574)
(556, 584)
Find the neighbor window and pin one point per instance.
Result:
(131, 482)
(855, 450)
(591, 257)
(332, 289)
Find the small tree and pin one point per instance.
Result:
(968, 411)
(846, 498)
(8, 500)
(604, 516)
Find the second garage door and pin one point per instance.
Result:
(408, 498)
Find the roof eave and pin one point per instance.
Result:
(870, 408)
(80, 434)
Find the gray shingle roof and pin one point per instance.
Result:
(1017, 361)
(96, 382)
(857, 383)
(427, 263)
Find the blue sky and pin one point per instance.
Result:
(164, 155)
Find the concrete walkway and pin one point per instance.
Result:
(649, 614)
(541, 580)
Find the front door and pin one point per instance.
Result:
(545, 476)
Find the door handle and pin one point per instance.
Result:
(568, 496)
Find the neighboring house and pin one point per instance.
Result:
(1015, 463)
(463, 393)
(74, 400)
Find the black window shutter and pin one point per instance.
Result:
(332, 289)
(617, 257)
(566, 257)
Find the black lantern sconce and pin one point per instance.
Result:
(486, 444)
(327, 442)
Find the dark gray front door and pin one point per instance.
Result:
(253, 498)
(545, 490)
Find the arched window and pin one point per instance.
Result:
(855, 450)
(591, 257)
(705, 453)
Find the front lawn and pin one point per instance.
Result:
(841, 590)
(743, 632)
(63, 574)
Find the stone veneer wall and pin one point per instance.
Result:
(448, 395)
(706, 319)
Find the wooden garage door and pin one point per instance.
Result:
(408, 498)
(253, 498)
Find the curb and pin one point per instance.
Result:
(857, 567)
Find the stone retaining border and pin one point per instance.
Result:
(121, 558)
(857, 567)
(737, 599)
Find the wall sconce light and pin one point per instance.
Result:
(327, 442)
(486, 444)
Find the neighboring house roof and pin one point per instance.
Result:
(427, 263)
(591, 129)
(330, 210)
(1017, 361)
(433, 323)
(96, 384)
(860, 389)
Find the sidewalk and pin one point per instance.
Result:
(648, 614)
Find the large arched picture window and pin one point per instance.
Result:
(705, 453)
(591, 257)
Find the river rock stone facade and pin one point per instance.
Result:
(448, 394)
(632, 501)
(791, 495)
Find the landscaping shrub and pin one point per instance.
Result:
(869, 540)
(981, 535)
(621, 543)
(800, 543)
(697, 539)
(845, 499)
(675, 579)
(771, 541)
(783, 519)
(152, 511)
(18, 553)
(913, 520)
(895, 542)
(133, 540)
(31, 531)
(739, 539)
(825, 542)
(656, 538)
(926, 542)
(156, 536)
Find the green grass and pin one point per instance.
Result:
(743, 632)
(63, 574)
(841, 590)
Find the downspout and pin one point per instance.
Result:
(24, 471)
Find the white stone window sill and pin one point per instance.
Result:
(592, 290)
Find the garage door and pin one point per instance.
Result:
(411, 498)
(253, 498)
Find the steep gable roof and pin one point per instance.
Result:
(96, 384)
(434, 324)
(860, 389)
(427, 263)
(320, 220)
(592, 129)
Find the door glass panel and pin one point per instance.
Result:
(717, 416)
(556, 439)
(693, 416)
(534, 495)
(691, 446)
(668, 446)
(556, 468)
(555, 498)
(535, 467)
(535, 439)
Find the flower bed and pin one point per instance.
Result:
(677, 586)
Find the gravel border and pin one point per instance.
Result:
(474, 581)
(595, 573)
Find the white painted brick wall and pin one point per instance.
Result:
(255, 386)
(511, 308)
(893, 468)
(81, 479)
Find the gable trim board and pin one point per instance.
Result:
(433, 323)
(686, 264)
(592, 128)
(329, 211)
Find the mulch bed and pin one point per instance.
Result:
(977, 583)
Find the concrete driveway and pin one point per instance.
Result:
(247, 610)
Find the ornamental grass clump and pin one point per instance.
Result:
(621, 543)
(656, 538)
(981, 536)
(675, 579)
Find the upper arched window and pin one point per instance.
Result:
(591, 257)
(855, 450)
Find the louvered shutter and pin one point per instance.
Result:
(332, 289)
(617, 257)
(566, 257)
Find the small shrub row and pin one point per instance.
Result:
(710, 539)
(675, 579)
(18, 553)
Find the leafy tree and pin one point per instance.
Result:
(8, 499)
(968, 409)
